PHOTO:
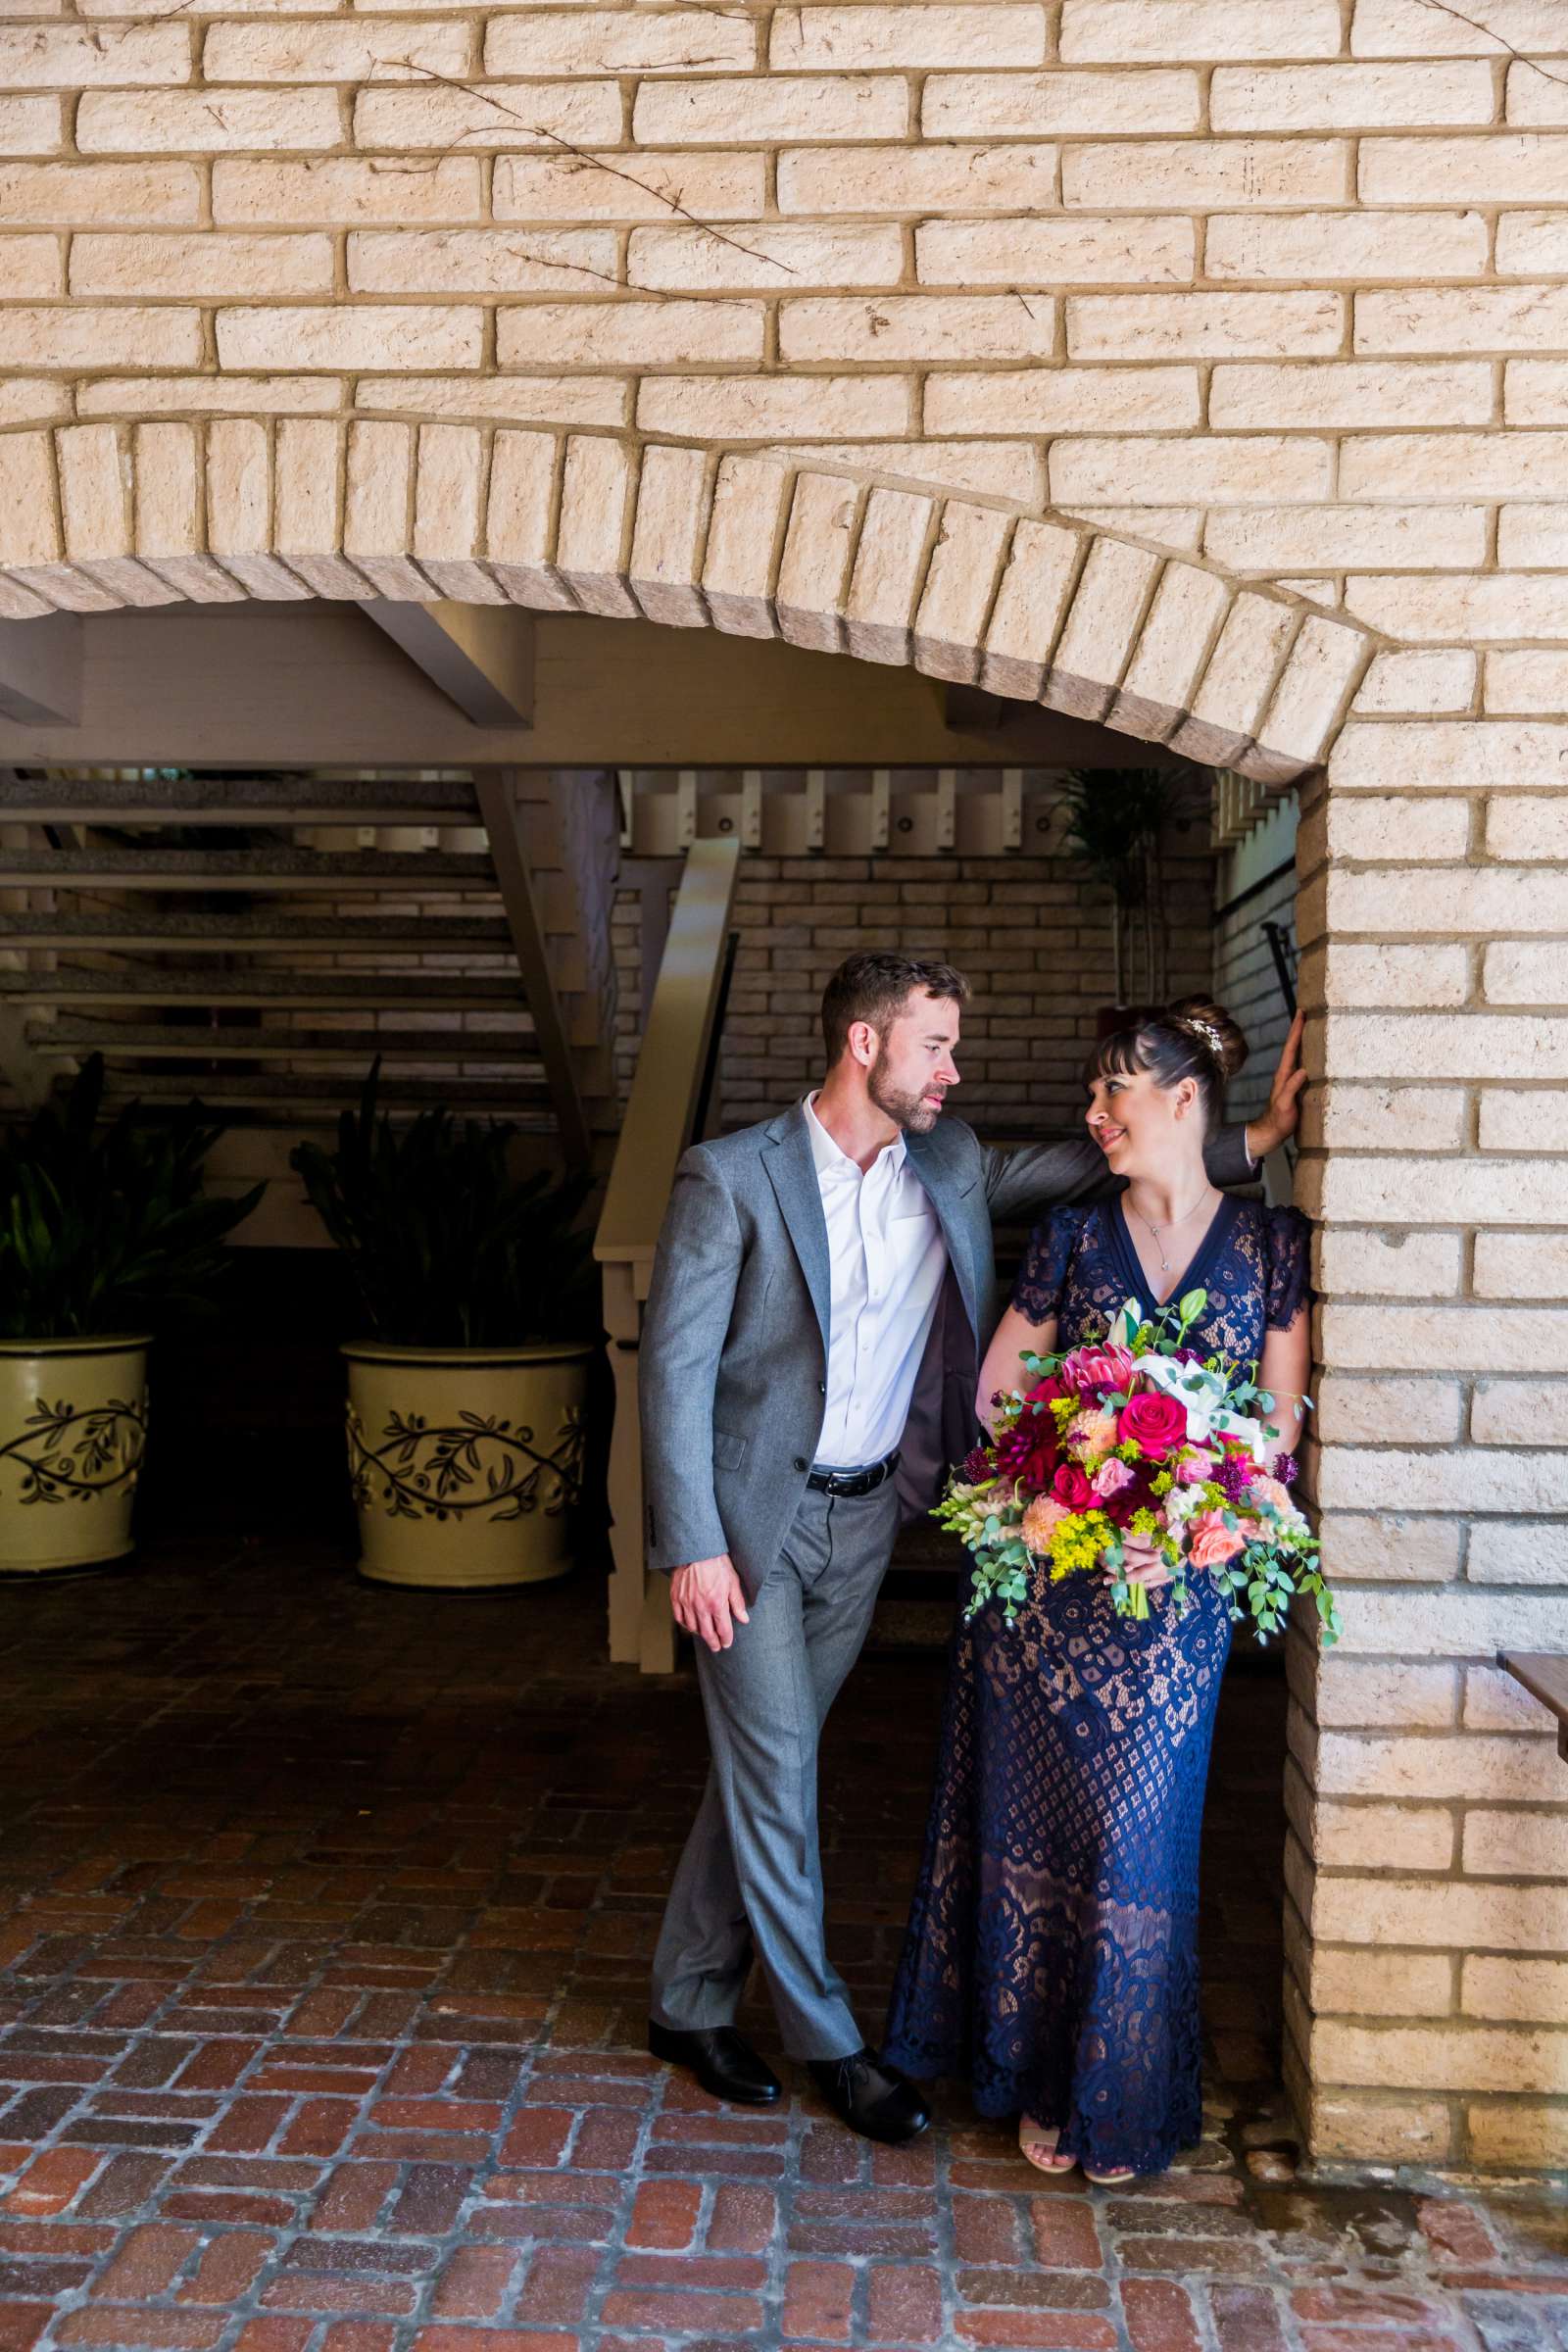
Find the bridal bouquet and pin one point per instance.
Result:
(1137, 1446)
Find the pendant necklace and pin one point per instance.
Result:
(1169, 1226)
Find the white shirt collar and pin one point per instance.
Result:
(835, 1162)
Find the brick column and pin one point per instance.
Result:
(1428, 1922)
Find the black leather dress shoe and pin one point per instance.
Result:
(726, 2066)
(870, 2097)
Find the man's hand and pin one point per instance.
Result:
(1264, 1135)
(705, 1594)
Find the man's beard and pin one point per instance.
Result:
(911, 1113)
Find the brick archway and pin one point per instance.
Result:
(1038, 609)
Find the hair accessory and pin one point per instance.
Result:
(1207, 1032)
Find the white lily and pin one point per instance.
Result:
(1202, 1395)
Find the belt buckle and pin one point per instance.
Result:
(849, 1486)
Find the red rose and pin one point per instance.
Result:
(1071, 1487)
(1152, 1422)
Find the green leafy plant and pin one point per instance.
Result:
(447, 1249)
(106, 1230)
(1114, 817)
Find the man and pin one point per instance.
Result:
(820, 1304)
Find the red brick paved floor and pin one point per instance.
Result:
(326, 1914)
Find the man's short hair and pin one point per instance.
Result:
(876, 987)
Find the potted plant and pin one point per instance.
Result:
(1114, 817)
(105, 1233)
(466, 1399)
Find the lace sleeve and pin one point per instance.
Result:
(1037, 1289)
(1288, 1246)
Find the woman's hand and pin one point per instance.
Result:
(1142, 1563)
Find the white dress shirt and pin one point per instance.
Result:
(888, 1257)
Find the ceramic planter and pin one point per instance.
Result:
(466, 1463)
(72, 1430)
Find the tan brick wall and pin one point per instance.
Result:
(1282, 287)
(1032, 938)
(1424, 1782)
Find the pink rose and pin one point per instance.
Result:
(1152, 1422)
(1110, 1478)
(1071, 1487)
(1199, 1465)
(1210, 1541)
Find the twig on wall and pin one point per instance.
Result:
(1444, 9)
(585, 160)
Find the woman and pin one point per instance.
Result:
(1051, 1947)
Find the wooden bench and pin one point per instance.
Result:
(1545, 1677)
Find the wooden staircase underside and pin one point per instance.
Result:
(258, 940)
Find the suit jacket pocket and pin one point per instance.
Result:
(728, 1451)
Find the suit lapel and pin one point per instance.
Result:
(792, 1172)
(951, 1205)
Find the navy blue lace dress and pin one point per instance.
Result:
(1051, 1951)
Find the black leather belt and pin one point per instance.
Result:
(854, 1481)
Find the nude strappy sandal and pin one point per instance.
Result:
(1036, 2144)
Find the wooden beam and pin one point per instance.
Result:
(26, 1072)
(972, 710)
(655, 881)
(497, 790)
(1546, 1676)
(318, 685)
(479, 656)
(40, 670)
(660, 1122)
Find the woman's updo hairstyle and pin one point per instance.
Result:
(1194, 1038)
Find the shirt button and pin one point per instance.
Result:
(821, 1388)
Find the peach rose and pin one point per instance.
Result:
(1210, 1541)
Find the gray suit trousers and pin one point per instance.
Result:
(749, 1881)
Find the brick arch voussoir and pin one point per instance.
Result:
(1044, 609)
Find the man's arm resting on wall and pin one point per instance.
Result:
(1069, 1174)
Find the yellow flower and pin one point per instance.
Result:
(1078, 1543)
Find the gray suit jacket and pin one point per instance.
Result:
(733, 1361)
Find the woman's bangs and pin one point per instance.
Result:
(1119, 1056)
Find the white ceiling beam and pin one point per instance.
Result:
(479, 656)
(40, 670)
